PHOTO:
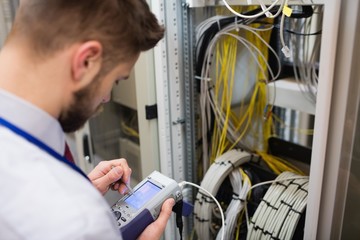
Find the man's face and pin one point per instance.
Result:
(89, 100)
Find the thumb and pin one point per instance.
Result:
(156, 229)
(165, 213)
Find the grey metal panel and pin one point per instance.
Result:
(338, 176)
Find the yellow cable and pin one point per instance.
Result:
(129, 131)
(279, 165)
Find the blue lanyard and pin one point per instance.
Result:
(40, 145)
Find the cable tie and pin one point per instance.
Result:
(202, 200)
(300, 186)
(201, 219)
(221, 163)
(293, 210)
(233, 166)
(296, 184)
(201, 78)
(269, 205)
(266, 232)
(303, 189)
(237, 198)
(281, 184)
(205, 198)
(287, 204)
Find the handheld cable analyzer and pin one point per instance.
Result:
(134, 212)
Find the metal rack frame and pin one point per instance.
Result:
(175, 90)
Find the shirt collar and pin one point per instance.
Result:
(32, 120)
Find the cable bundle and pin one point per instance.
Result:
(236, 205)
(204, 205)
(281, 208)
(216, 92)
(305, 44)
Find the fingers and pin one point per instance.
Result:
(108, 172)
(124, 165)
(103, 183)
(156, 229)
(105, 166)
(165, 213)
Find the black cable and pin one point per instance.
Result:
(178, 208)
(299, 33)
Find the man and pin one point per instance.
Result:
(57, 67)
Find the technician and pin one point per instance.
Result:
(57, 68)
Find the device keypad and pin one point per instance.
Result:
(122, 214)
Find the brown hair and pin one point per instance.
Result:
(123, 27)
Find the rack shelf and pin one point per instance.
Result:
(288, 94)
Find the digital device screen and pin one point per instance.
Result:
(142, 195)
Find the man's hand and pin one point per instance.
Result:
(113, 174)
(156, 229)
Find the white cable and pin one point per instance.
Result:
(212, 181)
(279, 211)
(306, 56)
(183, 183)
(285, 49)
(236, 205)
(207, 96)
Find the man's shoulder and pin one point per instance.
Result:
(11, 143)
(40, 195)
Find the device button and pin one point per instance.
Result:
(117, 215)
(123, 219)
(178, 195)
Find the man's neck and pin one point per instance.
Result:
(36, 82)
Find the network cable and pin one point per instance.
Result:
(280, 210)
(203, 209)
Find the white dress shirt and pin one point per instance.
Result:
(41, 197)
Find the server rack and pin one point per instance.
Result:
(331, 108)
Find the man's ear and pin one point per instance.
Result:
(86, 64)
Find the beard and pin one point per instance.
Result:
(80, 110)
